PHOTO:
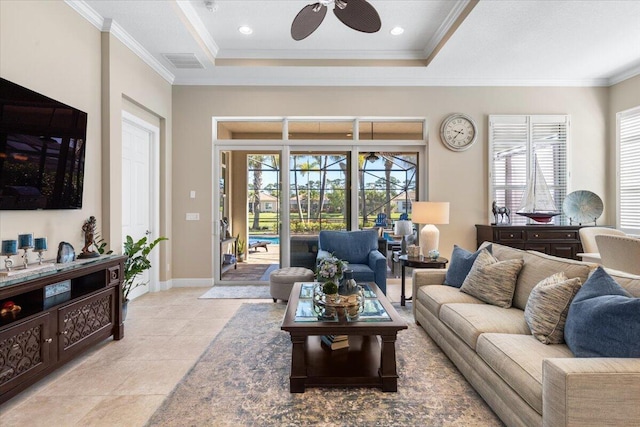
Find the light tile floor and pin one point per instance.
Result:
(122, 383)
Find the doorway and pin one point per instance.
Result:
(140, 141)
(250, 215)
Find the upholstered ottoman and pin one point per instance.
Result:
(281, 281)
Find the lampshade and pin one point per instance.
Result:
(403, 228)
(430, 213)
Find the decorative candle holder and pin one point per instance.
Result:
(25, 242)
(40, 246)
(8, 263)
(9, 247)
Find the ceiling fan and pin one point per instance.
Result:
(357, 14)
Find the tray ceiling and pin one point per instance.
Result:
(445, 42)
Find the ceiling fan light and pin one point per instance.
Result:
(246, 30)
(396, 31)
(341, 4)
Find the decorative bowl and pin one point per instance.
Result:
(332, 306)
(582, 207)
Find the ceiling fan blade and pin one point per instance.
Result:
(359, 15)
(308, 20)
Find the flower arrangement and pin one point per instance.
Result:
(330, 269)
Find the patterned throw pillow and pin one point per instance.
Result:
(461, 262)
(492, 281)
(548, 305)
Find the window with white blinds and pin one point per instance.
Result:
(628, 129)
(516, 145)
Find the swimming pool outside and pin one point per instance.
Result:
(271, 239)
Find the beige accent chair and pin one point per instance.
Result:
(620, 253)
(588, 237)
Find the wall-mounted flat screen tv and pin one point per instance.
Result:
(42, 150)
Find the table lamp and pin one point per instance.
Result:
(403, 228)
(430, 213)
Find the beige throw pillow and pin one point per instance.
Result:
(492, 281)
(548, 305)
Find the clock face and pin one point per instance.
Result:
(458, 132)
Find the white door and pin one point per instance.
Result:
(136, 185)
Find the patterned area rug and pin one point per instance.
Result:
(243, 379)
(238, 291)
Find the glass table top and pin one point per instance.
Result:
(307, 311)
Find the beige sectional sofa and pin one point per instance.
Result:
(525, 382)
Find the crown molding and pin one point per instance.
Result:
(447, 25)
(359, 76)
(275, 54)
(207, 43)
(118, 32)
(110, 26)
(87, 12)
(624, 75)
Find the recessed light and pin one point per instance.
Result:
(245, 30)
(396, 31)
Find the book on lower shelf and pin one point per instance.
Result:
(335, 342)
(334, 338)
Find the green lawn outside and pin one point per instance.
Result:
(329, 221)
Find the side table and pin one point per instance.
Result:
(417, 263)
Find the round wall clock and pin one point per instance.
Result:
(458, 132)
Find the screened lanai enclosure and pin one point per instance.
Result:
(289, 195)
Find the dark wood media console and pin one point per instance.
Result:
(56, 323)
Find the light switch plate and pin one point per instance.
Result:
(193, 216)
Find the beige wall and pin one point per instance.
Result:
(237, 196)
(130, 84)
(460, 178)
(47, 47)
(623, 96)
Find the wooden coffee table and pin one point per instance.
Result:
(370, 360)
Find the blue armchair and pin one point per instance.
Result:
(360, 250)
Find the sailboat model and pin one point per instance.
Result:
(537, 202)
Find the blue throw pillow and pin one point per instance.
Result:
(461, 262)
(603, 319)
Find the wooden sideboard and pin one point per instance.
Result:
(64, 311)
(558, 240)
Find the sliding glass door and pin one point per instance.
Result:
(331, 182)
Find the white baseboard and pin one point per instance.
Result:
(160, 286)
(192, 283)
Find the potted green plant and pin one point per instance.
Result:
(137, 262)
(240, 247)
